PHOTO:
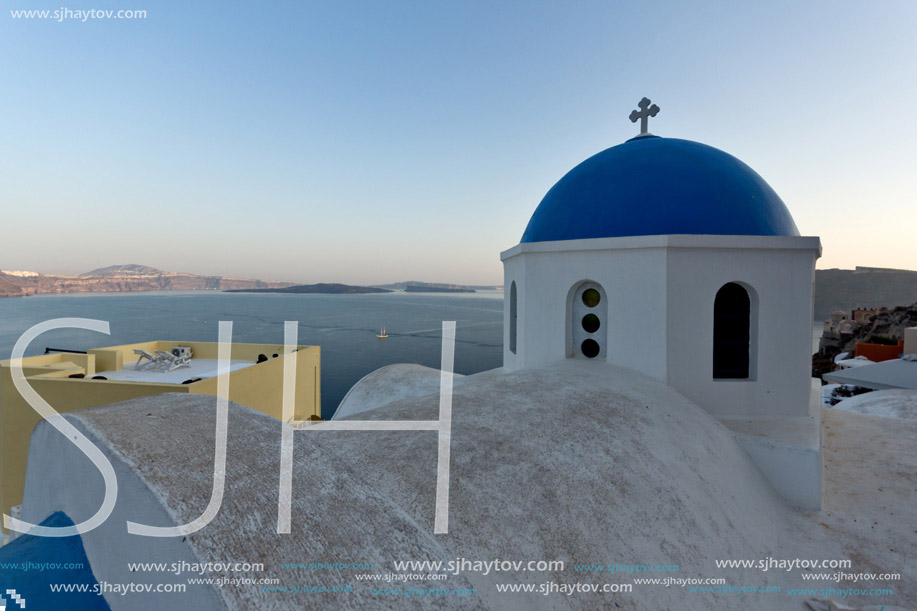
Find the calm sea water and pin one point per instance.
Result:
(345, 326)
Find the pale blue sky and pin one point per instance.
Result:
(381, 141)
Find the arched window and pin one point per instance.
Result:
(732, 333)
(512, 317)
(587, 321)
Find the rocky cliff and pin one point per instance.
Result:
(863, 287)
(123, 278)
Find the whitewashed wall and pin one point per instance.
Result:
(660, 292)
(780, 272)
(633, 280)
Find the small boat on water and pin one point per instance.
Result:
(382, 334)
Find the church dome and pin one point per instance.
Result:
(659, 186)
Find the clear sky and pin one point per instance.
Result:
(369, 142)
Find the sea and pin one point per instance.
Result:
(345, 326)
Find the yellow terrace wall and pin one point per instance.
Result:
(259, 387)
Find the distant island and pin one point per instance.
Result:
(416, 288)
(121, 279)
(132, 277)
(425, 286)
(326, 288)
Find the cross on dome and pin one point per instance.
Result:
(646, 111)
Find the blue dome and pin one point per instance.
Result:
(659, 186)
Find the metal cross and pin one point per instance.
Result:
(646, 111)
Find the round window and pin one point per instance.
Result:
(590, 348)
(591, 323)
(591, 298)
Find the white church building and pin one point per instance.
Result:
(677, 260)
